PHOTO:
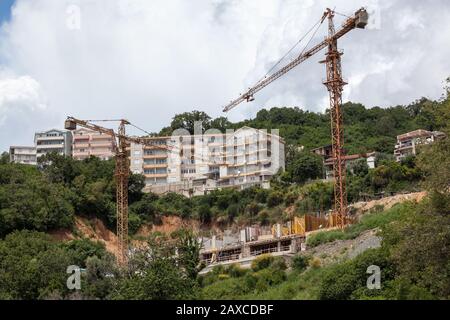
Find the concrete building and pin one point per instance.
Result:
(407, 143)
(87, 143)
(244, 247)
(197, 164)
(23, 155)
(325, 152)
(350, 160)
(54, 140)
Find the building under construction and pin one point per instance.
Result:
(279, 240)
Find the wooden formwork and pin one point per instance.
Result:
(308, 223)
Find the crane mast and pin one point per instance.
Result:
(122, 175)
(122, 172)
(335, 85)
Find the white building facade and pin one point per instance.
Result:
(23, 155)
(197, 164)
(59, 141)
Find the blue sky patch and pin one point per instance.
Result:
(5, 10)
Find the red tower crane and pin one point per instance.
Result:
(335, 85)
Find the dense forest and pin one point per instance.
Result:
(36, 200)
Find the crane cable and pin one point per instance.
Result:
(128, 123)
(136, 127)
(317, 26)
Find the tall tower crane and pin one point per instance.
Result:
(122, 171)
(335, 85)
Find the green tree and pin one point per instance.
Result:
(58, 168)
(32, 266)
(434, 162)
(155, 275)
(4, 158)
(189, 253)
(204, 214)
(306, 166)
(187, 121)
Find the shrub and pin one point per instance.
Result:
(315, 263)
(252, 209)
(274, 199)
(290, 198)
(279, 264)
(262, 262)
(233, 211)
(236, 271)
(204, 214)
(324, 237)
(267, 278)
(348, 280)
(300, 262)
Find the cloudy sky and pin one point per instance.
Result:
(148, 60)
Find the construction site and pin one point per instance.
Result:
(280, 240)
(325, 178)
(285, 239)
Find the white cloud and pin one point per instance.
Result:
(147, 60)
(19, 94)
(23, 106)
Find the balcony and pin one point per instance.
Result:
(80, 139)
(155, 166)
(50, 146)
(106, 144)
(156, 175)
(81, 145)
(155, 156)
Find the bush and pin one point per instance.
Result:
(262, 262)
(204, 214)
(235, 271)
(279, 264)
(300, 262)
(233, 211)
(315, 263)
(274, 199)
(267, 278)
(290, 198)
(322, 237)
(345, 281)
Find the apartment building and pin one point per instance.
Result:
(59, 141)
(87, 143)
(23, 155)
(407, 143)
(197, 164)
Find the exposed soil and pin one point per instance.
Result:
(94, 229)
(388, 202)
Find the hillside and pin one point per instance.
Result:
(74, 201)
(95, 230)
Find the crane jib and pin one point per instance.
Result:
(360, 20)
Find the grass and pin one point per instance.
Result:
(298, 286)
(368, 222)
